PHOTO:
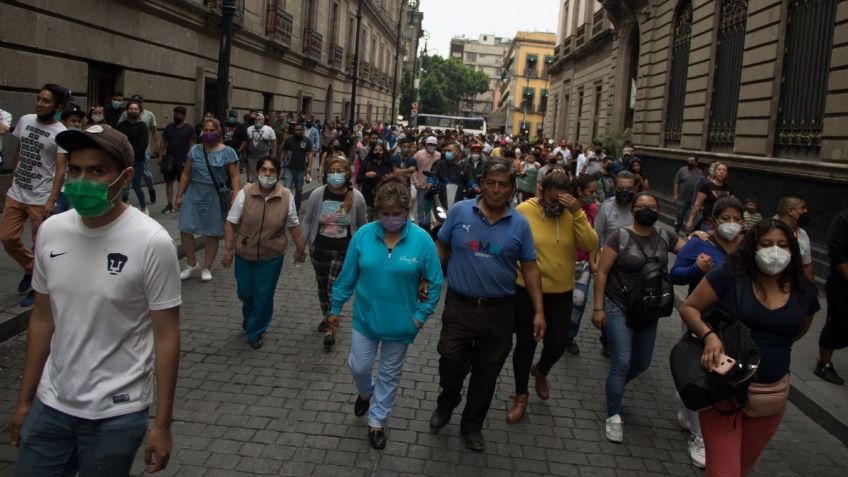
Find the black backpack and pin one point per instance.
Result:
(699, 388)
(652, 297)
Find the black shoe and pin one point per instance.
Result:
(322, 327)
(257, 343)
(329, 340)
(26, 284)
(826, 372)
(168, 209)
(474, 441)
(440, 418)
(605, 351)
(152, 195)
(360, 407)
(377, 438)
(572, 347)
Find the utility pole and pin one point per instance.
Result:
(524, 102)
(355, 71)
(417, 76)
(228, 10)
(397, 59)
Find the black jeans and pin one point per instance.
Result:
(475, 339)
(558, 318)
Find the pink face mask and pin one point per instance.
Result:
(393, 223)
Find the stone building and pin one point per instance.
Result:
(287, 55)
(485, 54)
(758, 84)
(522, 94)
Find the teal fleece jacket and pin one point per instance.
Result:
(386, 284)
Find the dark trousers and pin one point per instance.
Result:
(558, 318)
(475, 339)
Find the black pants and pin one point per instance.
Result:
(834, 335)
(558, 319)
(475, 339)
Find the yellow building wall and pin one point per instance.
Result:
(535, 120)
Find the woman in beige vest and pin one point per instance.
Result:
(256, 233)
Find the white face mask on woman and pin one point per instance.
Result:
(772, 260)
(729, 230)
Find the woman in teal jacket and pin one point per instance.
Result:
(385, 263)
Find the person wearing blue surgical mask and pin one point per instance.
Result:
(334, 212)
(113, 111)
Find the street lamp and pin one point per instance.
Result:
(228, 10)
(416, 82)
(355, 72)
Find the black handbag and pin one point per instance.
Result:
(700, 388)
(225, 193)
(166, 163)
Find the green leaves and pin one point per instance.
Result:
(444, 85)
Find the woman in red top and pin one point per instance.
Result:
(585, 187)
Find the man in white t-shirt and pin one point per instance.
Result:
(36, 185)
(107, 301)
(792, 210)
(261, 142)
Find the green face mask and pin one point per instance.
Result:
(90, 198)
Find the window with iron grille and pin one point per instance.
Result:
(806, 67)
(679, 68)
(543, 102)
(727, 72)
(527, 99)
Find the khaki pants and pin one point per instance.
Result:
(11, 228)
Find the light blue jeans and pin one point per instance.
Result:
(630, 353)
(55, 444)
(383, 387)
(582, 278)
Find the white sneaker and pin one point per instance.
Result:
(697, 455)
(206, 275)
(615, 429)
(187, 271)
(682, 415)
(145, 211)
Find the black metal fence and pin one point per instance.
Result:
(727, 72)
(679, 72)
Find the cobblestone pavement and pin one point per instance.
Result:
(287, 409)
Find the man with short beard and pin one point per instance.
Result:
(36, 185)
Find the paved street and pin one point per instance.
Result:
(287, 409)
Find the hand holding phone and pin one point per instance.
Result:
(726, 363)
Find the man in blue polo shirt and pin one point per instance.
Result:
(483, 243)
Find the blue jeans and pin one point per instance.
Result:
(136, 184)
(683, 209)
(293, 180)
(255, 286)
(423, 218)
(55, 444)
(582, 278)
(630, 353)
(148, 176)
(383, 387)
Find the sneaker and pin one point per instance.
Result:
(615, 429)
(168, 209)
(145, 211)
(826, 372)
(26, 284)
(697, 455)
(152, 195)
(206, 275)
(257, 343)
(187, 271)
(682, 415)
(28, 300)
(572, 347)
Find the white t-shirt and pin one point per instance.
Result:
(259, 141)
(234, 216)
(36, 168)
(804, 245)
(103, 284)
(582, 160)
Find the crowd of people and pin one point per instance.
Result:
(518, 233)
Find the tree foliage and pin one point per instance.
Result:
(444, 85)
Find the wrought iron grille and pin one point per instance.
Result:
(679, 70)
(727, 73)
(279, 23)
(806, 64)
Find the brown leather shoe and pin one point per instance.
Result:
(516, 411)
(542, 388)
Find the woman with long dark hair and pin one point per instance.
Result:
(373, 169)
(777, 304)
(707, 196)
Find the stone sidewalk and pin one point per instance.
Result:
(287, 409)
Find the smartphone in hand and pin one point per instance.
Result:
(726, 363)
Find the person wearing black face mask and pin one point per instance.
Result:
(178, 138)
(792, 211)
(623, 256)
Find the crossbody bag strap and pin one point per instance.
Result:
(209, 168)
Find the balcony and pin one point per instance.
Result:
(349, 62)
(312, 43)
(337, 57)
(599, 22)
(580, 37)
(567, 47)
(365, 71)
(279, 26)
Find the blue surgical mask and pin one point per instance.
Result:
(336, 179)
(449, 155)
(116, 105)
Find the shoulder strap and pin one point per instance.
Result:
(209, 168)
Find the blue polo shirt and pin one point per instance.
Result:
(483, 256)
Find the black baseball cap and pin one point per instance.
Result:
(72, 109)
(114, 142)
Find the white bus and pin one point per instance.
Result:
(437, 121)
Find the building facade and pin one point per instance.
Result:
(582, 83)
(287, 55)
(485, 54)
(522, 94)
(758, 84)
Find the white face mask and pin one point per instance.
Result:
(729, 230)
(772, 260)
(267, 182)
